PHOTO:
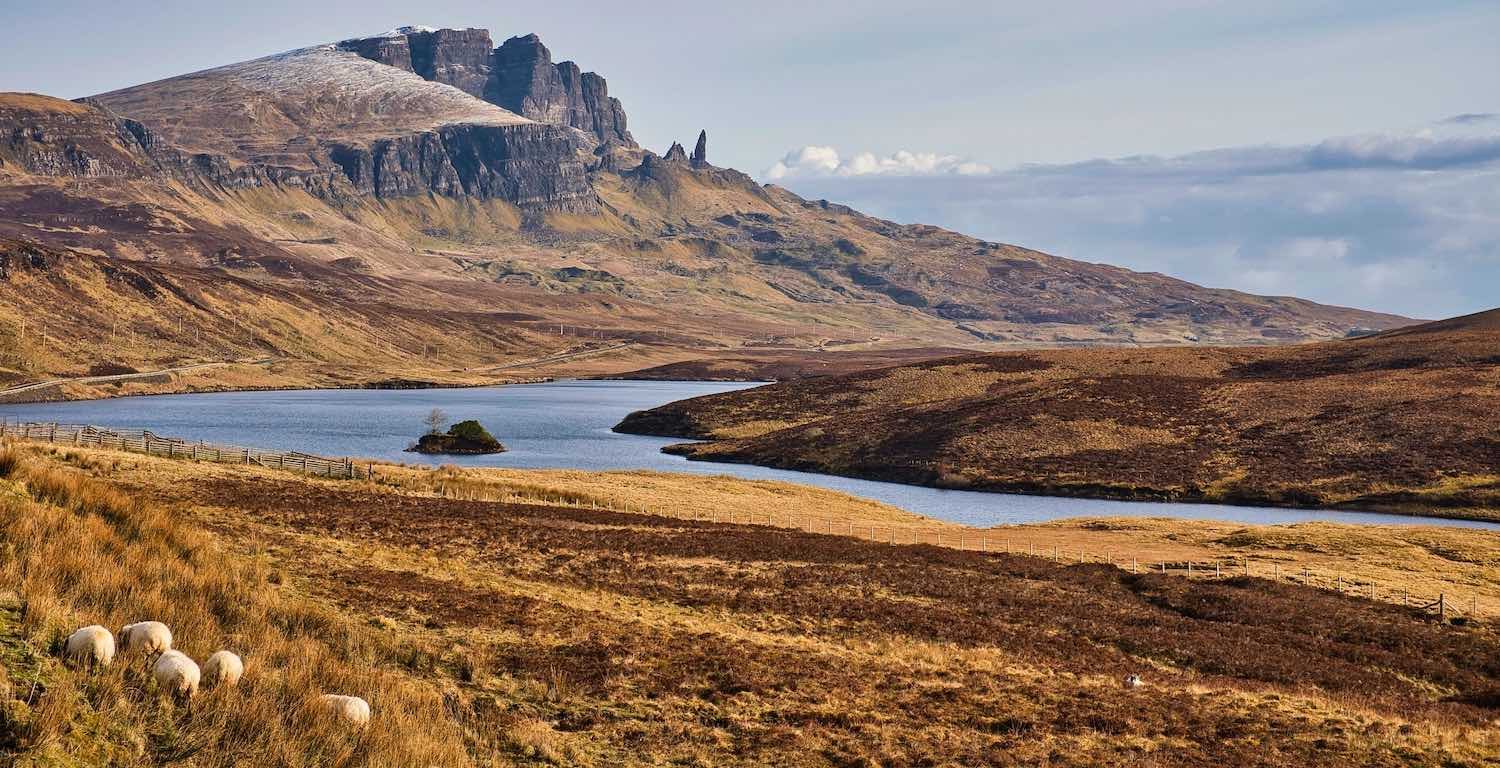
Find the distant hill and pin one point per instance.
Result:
(1404, 420)
(1477, 323)
(432, 162)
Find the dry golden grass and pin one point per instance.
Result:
(546, 630)
(79, 552)
(664, 493)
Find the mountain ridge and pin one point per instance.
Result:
(343, 168)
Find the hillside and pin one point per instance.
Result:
(439, 164)
(526, 632)
(1407, 419)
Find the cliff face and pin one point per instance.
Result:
(457, 57)
(519, 76)
(51, 137)
(530, 165)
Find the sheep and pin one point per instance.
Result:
(91, 645)
(351, 708)
(177, 674)
(150, 636)
(1132, 681)
(223, 668)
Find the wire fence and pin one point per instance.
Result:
(148, 442)
(1441, 604)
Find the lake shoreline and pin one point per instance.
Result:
(1104, 493)
(566, 425)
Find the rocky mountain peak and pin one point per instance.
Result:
(458, 57)
(519, 76)
(676, 154)
(700, 152)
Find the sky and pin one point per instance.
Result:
(1339, 151)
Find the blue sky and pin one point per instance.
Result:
(1264, 146)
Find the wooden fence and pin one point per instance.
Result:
(147, 442)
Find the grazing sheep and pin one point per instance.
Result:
(351, 708)
(223, 668)
(149, 636)
(1132, 681)
(177, 674)
(91, 645)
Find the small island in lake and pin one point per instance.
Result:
(465, 437)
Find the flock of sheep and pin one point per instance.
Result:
(176, 673)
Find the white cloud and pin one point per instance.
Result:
(814, 161)
(1403, 222)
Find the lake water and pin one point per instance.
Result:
(567, 424)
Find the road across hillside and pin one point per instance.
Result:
(122, 376)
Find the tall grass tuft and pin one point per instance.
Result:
(77, 552)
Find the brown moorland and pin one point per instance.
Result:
(490, 633)
(1407, 420)
(656, 261)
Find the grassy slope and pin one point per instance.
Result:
(1409, 420)
(685, 264)
(492, 633)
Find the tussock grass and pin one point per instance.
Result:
(555, 634)
(663, 493)
(76, 552)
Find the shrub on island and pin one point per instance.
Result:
(465, 437)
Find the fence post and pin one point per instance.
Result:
(1442, 607)
(1132, 565)
(1190, 569)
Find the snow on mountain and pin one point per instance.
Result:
(274, 108)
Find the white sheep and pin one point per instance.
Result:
(223, 668)
(1132, 681)
(351, 708)
(177, 674)
(91, 645)
(149, 636)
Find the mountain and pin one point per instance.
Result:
(430, 170)
(1408, 418)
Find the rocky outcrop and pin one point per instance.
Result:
(590, 107)
(700, 152)
(532, 165)
(457, 57)
(676, 154)
(524, 80)
(391, 50)
(519, 76)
